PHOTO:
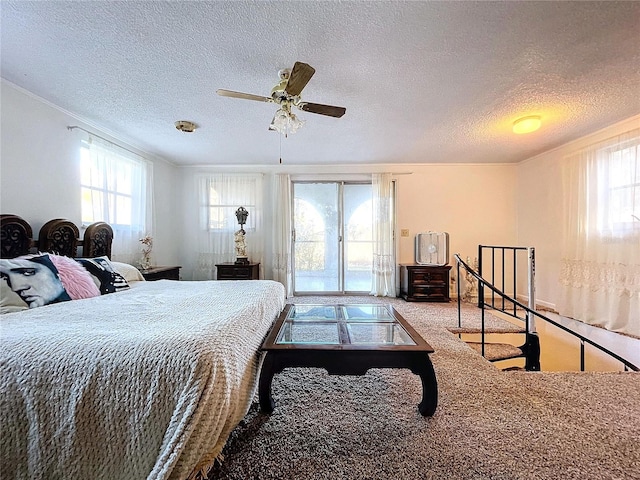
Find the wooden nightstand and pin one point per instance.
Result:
(238, 271)
(424, 283)
(161, 273)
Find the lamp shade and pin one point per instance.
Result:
(241, 215)
(527, 124)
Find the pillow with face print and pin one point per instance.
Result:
(74, 277)
(35, 281)
(105, 276)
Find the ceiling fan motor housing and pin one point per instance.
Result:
(279, 91)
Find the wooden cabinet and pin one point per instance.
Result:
(238, 271)
(161, 273)
(424, 283)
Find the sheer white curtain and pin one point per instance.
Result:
(117, 188)
(600, 271)
(384, 263)
(282, 231)
(220, 196)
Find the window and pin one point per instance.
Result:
(619, 197)
(223, 195)
(220, 195)
(600, 255)
(115, 188)
(112, 186)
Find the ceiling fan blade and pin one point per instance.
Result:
(298, 78)
(328, 110)
(245, 96)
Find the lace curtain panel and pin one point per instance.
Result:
(117, 188)
(281, 253)
(220, 195)
(384, 262)
(600, 264)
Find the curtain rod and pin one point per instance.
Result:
(73, 127)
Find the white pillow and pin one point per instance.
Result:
(129, 272)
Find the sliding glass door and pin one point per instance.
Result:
(316, 245)
(358, 237)
(333, 237)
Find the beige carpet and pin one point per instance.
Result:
(489, 424)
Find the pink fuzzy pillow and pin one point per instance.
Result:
(76, 280)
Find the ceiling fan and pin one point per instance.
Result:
(287, 94)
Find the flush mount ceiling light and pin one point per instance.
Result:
(185, 126)
(527, 124)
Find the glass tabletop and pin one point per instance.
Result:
(342, 325)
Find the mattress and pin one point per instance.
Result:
(143, 383)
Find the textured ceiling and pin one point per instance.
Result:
(422, 82)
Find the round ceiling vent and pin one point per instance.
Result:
(185, 126)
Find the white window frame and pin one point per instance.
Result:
(123, 196)
(611, 222)
(226, 221)
(111, 196)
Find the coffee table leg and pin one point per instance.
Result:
(264, 384)
(424, 369)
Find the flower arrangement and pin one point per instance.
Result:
(147, 246)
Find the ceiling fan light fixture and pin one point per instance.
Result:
(185, 126)
(527, 124)
(285, 122)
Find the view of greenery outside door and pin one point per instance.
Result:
(333, 241)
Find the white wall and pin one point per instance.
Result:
(39, 169)
(473, 203)
(539, 207)
(40, 173)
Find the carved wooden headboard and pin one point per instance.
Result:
(56, 236)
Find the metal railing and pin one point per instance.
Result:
(503, 252)
(530, 314)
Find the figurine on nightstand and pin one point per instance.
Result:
(241, 246)
(147, 246)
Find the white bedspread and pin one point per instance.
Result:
(145, 383)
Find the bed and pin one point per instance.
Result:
(146, 382)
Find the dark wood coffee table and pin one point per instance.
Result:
(346, 340)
